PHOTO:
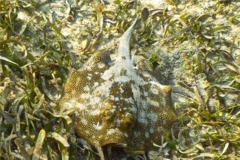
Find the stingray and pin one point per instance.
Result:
(115, 103)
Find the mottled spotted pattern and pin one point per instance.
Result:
(115, 104)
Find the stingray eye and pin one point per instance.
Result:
(108, 115)
(128, 119)
(97, 58)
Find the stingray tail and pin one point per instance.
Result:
(124, 47)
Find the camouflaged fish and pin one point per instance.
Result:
(116, 104)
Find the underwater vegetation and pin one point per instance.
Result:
(193, 46)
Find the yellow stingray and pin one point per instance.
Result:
(116, 104)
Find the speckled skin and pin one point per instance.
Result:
(115, 104)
